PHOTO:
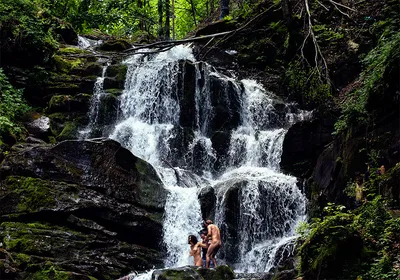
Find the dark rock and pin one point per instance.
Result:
(82, 162)
(88, 207)
(336, 165)
(179, 145)
(68, 103)
(117, 71)
(52, 250)
(187, 102)
(113, 83)
(88, 69)
(67, 33)
(208, 202)
(220, 143)
(225, 100)
(222, 272)
(303, 143)
(60, 121)
(115, 45)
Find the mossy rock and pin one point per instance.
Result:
(90, 69)
(70, 131)
(115, 45)
(66, 33)
(72, 50)
(28, 194)
(68, 103)
(66, 64)
(114, 91)
(117, 71)
(222, 272)
(193, 273)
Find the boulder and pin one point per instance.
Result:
(39, 128)
(208, 202)
(222, 272)
(66, 33)
(115, 45)
(79, 208)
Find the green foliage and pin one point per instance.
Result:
(354, 111)
(306, 82)
(363, 243)
(12, 107)
(26, 29)
(325, 34)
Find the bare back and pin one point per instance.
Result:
(213, 231)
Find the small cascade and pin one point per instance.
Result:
(86, 43)
(200, 128)
(95, 103)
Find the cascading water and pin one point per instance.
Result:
(217, 132)
(98, 93)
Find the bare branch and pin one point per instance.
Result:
(165, 44)
(341, 5)
(323, 6)
(317, 49)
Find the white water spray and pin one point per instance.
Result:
(269, 204)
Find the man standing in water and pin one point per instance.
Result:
(215, 237)
(204, 247)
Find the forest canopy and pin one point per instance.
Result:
(159, 18)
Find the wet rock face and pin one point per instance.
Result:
(303, 143)
(89, 207)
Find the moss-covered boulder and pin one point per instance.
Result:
(78, 209)
(115, 45)
(192, 273)
(68, 103)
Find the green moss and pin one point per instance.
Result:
(117, 71)
(58, 101)
(72, 50)
(22, 259)
(114, 91)
(69, 132)
(306, 82)
(65, 65)
(51, 273)
(142, 167)
(327, 34)
(33, 193)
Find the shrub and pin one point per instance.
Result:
(12, 107)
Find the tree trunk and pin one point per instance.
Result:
(224, 8)
(160, 19)
(193, 12)
(167, 19)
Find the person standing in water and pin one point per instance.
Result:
(204, 247)
(214, 235)
(195, 250)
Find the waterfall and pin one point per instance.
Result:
(95, 103)
(220, 132)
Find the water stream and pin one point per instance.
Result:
(171, 111)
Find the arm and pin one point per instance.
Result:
(209, 232)
(200, 244)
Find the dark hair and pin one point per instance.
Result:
(193, 239)
(203, 232)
